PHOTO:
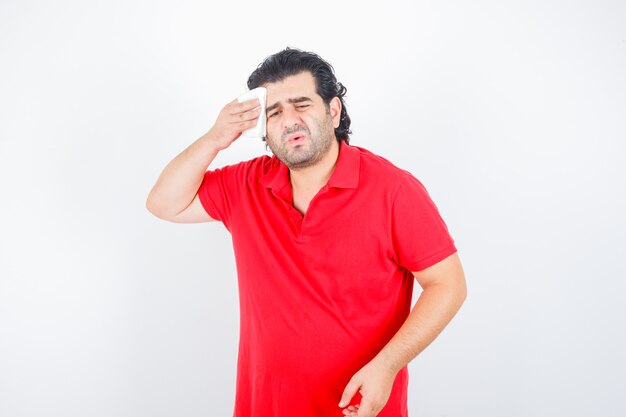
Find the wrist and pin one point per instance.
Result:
(386, 362)
(210, 142)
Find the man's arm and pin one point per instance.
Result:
(174, 196)
(444, 291)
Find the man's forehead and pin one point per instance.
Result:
(299, 85)
(293, 100)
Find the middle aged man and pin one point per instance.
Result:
(328, 238)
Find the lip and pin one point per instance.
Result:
(296, 137)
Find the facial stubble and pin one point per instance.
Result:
(300, 156)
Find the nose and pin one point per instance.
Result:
(291, 119)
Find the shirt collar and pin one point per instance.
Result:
(345, 175)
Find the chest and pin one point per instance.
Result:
(302, 200)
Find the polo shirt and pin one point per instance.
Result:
(321, 293)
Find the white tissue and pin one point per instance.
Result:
(259, 130)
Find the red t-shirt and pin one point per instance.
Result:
(321, 294)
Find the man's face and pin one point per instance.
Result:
(300, 128)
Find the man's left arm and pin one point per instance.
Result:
(444, 291)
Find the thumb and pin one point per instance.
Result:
(366, 409)
(351, 389)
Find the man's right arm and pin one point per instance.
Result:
(174, 197)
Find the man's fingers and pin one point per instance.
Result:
(351, 389)
(351, 410)
(368, 408)
(236, 107)
(244, 117)
(241, 126)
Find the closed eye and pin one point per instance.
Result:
(278, 111)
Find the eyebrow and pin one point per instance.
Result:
(291, 100)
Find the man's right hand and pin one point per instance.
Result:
(174, 197)
(233, 119)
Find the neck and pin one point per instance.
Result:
(316, 176)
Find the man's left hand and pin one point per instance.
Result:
(374, 382)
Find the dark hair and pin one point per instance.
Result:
(292, 61)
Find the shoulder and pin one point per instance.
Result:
(255, 167)
(379, 170)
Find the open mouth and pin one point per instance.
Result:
(296, 139)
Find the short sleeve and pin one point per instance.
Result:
(220, 189)
(212, 194)
(420, 236)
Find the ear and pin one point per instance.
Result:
(335, 111)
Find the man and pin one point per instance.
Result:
(327, 240)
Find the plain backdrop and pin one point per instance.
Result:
(512, 114)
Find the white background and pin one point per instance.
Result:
(512, 113)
